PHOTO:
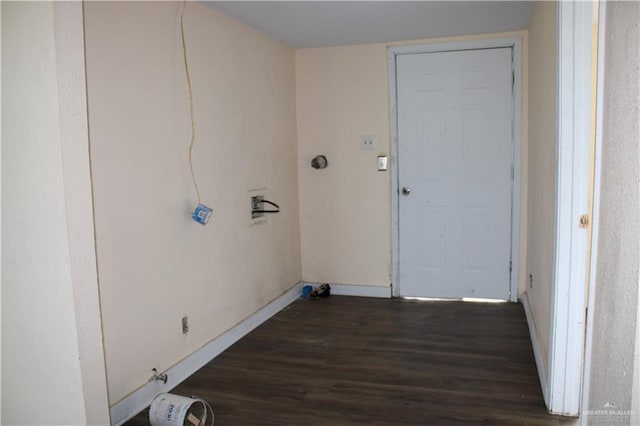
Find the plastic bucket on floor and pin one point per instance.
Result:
(174, 410)
(306, 290)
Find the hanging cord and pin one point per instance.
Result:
(267, 211)
(193, 126)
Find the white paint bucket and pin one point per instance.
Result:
(174, 410)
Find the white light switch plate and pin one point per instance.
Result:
(368, 142)
(382, 163)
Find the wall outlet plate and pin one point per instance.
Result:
(254, 195)
(383, 164)
(256, 204)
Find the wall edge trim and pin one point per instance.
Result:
(537, 351)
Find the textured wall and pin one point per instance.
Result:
(345, 209)
(155, 263)
(42, 377)
(542, 166)
(616, 299)
(345, 212)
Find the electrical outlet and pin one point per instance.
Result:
(256, 206)
(367, 142)
(256, 196)
(256, 202)
(185, 324)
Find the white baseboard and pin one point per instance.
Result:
(537, 351)
(141, 398)
(358, 290)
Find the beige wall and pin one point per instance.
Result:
(345, 209)
(52, 356)
(618, 256)
(345, 212)
(155, 263)
(542, 166)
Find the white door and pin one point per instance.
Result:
(455, 173)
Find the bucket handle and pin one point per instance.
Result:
(207, 406)
(210, 409)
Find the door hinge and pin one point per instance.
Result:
(510, 266)
(513, 172)
(513, 79)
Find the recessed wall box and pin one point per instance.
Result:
(257, 206)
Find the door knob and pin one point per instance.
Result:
(406, 190)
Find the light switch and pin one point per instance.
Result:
(368, 142)
(383, 162)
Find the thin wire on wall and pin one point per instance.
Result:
(193, 127)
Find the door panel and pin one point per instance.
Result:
(455, 153)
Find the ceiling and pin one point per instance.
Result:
(303, 24)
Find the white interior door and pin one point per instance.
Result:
(455, 173)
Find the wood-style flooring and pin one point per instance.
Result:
(363, 361)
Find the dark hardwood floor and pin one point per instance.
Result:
(351, 360)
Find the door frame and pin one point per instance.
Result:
(597, 172)
(576, 184)
(393, 52)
